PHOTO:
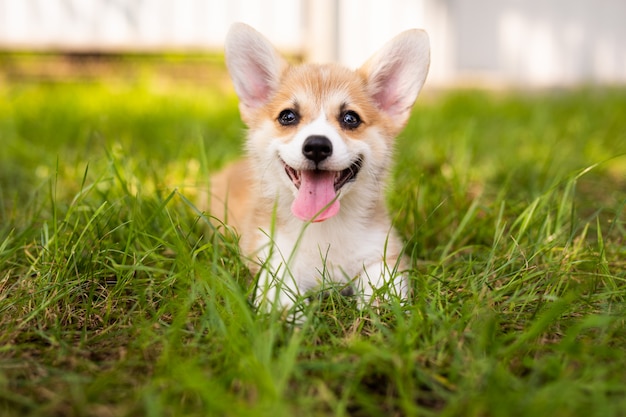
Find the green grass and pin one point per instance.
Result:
(116, 299)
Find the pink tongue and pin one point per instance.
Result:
(317, 191)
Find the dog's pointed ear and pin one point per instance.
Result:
(396, 73)
(254, 66)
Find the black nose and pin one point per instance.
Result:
(317, 148)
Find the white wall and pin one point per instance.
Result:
(521, 42)
(142, 24)
(539, 42)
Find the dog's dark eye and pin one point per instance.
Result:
(350, 120)
(288, 117)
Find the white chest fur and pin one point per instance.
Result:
(301, 257)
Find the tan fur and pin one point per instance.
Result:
(232, 193)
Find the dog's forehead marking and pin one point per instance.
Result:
(319, 126)
(322, 84)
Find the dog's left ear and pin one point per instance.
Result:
(254, 66)
(396, 73)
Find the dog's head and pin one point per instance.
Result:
(323, 131)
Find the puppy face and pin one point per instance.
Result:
(319, 135)
(322, 132)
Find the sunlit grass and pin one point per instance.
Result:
(116, 298)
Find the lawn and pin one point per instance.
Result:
(118, 299)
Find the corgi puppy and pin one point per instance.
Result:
(308, 201)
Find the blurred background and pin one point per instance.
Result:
(528, 43)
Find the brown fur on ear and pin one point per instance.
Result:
(254, 66)
(396, 73)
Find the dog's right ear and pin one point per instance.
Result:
(254, 66)
(396, 73)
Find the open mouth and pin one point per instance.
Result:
(341, 178)
(317, 195)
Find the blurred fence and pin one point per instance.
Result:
(530, 42)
